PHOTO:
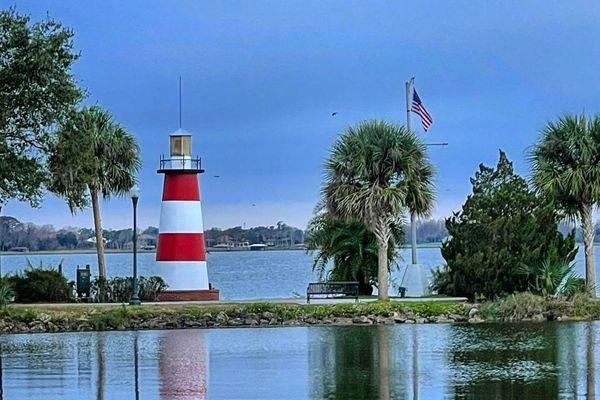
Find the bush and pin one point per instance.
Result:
(515, 307)
(502, 225)
(348, 251)
(7, 294)
(40, 285)
(553, 278)
(119, 289)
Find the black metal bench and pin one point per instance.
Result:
(329, 288)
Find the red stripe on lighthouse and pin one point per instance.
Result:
(181, 247)
(181, 187)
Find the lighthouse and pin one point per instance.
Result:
(181, 253)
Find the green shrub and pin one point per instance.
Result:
(119, 289)
(7, 294)
(40, 285)
(553, 278)
(347, 250)
(516, 307)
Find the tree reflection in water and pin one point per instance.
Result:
(591, 362)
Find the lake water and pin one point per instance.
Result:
(238, 275)
(486, 361)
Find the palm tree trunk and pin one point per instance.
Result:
(382, 269)
(98, 229)
(587, 226)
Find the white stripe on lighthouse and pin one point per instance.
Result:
(183, 275)
(178, 216)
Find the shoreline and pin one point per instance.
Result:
(54, 318)
(209, 249)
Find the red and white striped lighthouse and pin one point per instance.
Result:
(181, 253)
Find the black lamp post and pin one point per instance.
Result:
(135, 195)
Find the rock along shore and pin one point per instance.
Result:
(38, 319)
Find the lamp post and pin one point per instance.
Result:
(135, 195)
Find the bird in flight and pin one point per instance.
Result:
(333, 114)
(216, 176)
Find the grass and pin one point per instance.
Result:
(524, 306)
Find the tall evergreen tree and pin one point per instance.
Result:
(502, 226)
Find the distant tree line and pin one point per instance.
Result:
(14, 233)
(281, 235)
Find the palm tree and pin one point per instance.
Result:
(565, 166)
(93, 155)
(372, 175)
(346, 250)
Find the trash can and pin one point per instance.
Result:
(84, 281)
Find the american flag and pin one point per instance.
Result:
(418, 108)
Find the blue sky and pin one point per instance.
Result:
(261, 79)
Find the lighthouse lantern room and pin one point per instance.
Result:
(181, 253)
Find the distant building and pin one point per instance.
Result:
(19, 249)
(258, 247)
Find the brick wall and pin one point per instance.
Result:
(189, 295)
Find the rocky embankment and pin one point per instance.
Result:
(521, 307)
(31, 320)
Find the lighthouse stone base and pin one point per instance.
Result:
(189, 295)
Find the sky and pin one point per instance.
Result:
(262, 78)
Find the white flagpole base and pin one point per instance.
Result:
(415, 281)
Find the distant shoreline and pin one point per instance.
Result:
(210, 250)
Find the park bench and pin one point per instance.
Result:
(332, 288)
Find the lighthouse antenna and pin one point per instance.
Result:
(180, 102)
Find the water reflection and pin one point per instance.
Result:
(182, 365)
(591, 363)
(488, 361)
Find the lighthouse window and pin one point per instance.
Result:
(176, 148)
(186, 145)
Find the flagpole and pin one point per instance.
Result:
(413, 216)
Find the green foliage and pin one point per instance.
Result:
(516, 307)
(374, 172)
(7, 293)
(22, 314)
(119, 289)
(40, 285)
(566, 161)
(347, 251)
(37, 90)
(114, 318)
(502, 225)
(92, 153)
(552, 278)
